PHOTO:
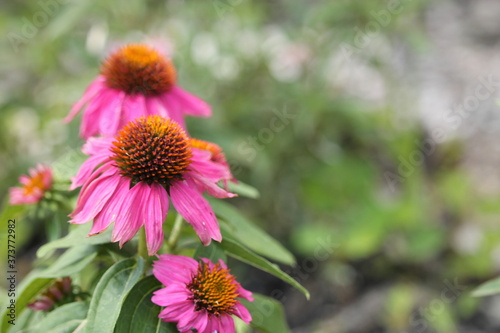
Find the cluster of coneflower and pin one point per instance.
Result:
(141, 158)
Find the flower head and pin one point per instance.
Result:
(130, 178)
(135, 81)
(33, 187)
(59, 292)
(200, 296)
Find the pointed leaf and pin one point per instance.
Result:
(72, 261)
(491, 287)
(249, 234)
(239, 252)
(138, 314)
(77, 236)
(110, 293)
(64, 319)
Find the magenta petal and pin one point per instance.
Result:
(226, 324)
(174, 294)
(242, 312)
(190, 104)
(110, 113)
(209, 169)
(112, 208)
(90, 92)
(172, 269)
(86, 169)
(134, 106)
(25, 180)
(196, 323)
(157, 209)
(196, 210)
(88, 186)
(99, 192)
(204, 184)
(172, 106)
(132, 218)
(95, 146)
(154, 106)
(213, 325)
(173, 313)
(243, 293)
(92, 114)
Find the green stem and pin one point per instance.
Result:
(174, 235)
(142, 247)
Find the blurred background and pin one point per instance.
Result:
(370, 129)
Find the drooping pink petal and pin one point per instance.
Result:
(88, 186)
(156, 212)
(204, 184)
(134, 106)
(226, 324)
(110, 113)
(209, 169)
(154, 106)
(89, 93)
(189, 103)
(213, 325)
(132, 218)
(86, 169)
(92, 204)
(174, 313)
(173, 108)
(93, 114)
(196, 323)
(113, 207)
(196, 210)
(242, 312)
(244, 293)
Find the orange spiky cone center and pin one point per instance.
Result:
(139, 69)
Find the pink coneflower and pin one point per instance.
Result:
(199, 296)
(129, 179)
(59, 292)
(135, 81)
(34, 186)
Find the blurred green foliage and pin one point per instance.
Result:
(329, 168)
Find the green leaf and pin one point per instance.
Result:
(212, 252)
(488, 288)
(72, 261)
(267, 313)
(110, 293)
(30, 287)
(235, 250)
(77, 236)
(243, 189)
(26, 320)
(249, 234)
(138, 314)
(64, 319)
